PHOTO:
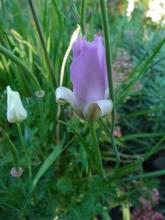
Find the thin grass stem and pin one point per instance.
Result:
(41, 36)
(104, 15)
(82, 16)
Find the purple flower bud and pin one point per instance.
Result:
(89, 79)
(16, 173)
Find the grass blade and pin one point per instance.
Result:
(16, 60)
(46, 165)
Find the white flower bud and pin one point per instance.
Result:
(15, 110)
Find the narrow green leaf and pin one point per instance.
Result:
(13, 150)
(141, 135)
(156, 148)
(141, 112)
(46, 165)
(41, 37)
(146, 175)
(139, 71)
(16, 60)
(75, 12)
(120, 172)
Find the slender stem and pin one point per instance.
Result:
(105, 25)
(126, 211)
(97, 148)
(25, 150)
(40, 33)
(21, 137)
(106, 215)
(82, 15)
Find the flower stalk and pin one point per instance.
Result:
(104, 15)
(25, 149)
(21, 137)
(97, 148)
(126, 211)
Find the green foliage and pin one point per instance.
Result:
(64, 180)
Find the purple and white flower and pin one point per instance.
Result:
(88, 74)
